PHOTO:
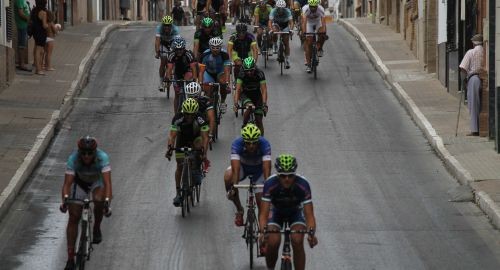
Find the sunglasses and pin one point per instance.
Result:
(251, 143)
(87, 153)
(286, 175)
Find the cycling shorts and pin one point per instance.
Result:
(235, 56)
(164, 51)
(279, 217)
(245, 177)
(311, 25)
(187, 76)
(254, 99)
(78, 193)
(211, 78)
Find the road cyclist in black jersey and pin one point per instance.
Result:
(189, 129)
(251, 92)
(241, 45)
(286, 199)
(203, 35)
(193, 90)
(219, 8)
(281, 20)
(201, 11)
(165, 33)
(181, 67)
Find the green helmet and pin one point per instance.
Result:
(167, 20)
(250, 133)
(285, 164)
(190, 105)
(313, 3)
(207, 22)
(248, 63)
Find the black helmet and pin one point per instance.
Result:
(87, 143)
(241, 28)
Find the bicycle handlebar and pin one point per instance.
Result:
(248, 185)
(291, 231)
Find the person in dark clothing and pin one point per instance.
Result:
(178, 13)
(39, 24)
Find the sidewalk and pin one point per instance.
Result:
(33, 105)
(471, 160)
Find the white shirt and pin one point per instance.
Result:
(313, 17)
(473, 60)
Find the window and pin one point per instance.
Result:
(6, 23)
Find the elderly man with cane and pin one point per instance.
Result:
(472, 64)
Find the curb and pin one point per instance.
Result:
(456, 169)
(43, 139)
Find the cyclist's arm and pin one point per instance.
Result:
(157, 45)
(211, 120)
(170, 68)
(235, 168)
(201, 68)
(266, 168)
(230, 45)
(304, 23)
(68, 181)
(263, 91)
(204, 140)
(227, 71)
(290, 23)
(255, 51)
(265, 207)
(237, 93)
(256, 18)
(196, 46)
(309, 215)
(171, 138)
(193, 67)
(323, 23)
(108, 190)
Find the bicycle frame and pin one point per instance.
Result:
(85, 235)
(251, 223)
(281, 48)
(187, 179)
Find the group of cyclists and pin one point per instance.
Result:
(286, 196)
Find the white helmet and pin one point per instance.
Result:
(215, 42)
(281, 3)
(192, 89)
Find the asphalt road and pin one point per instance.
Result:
(380, 192)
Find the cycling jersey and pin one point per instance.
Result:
(263, 14)
(281, 16)
(241, 47)
(251, 163)
(216, 4)
(182, 63)
(251, 83)
(291, 199)
(166, 38)
(203, 39)
(188, 132)
(215, 63)
(205, 104)
(87, 175)
(313, 17)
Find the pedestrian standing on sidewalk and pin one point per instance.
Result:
(49, 45)
(22, 16)
(472, 65)
(39, 21)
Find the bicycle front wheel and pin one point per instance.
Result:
(250, 236)
(82, 246)
(286, 264)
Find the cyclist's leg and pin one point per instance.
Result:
(322, 37)
(273, 239)
(228, 182)
(223, 15)
(208, 78)
(246, 102)
(221, 78)
(98, 196)
(297, 222)
(275, 37)
(75, 212)
(196, 165)
(259, 37)
(307, 45)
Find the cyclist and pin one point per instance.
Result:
(261, 18)
(281, 20)
(87, 172)
(241, 45)
(201, 10)
(250, 157)
(286, 197)
(297, 7)
(220, 7)
(184, 63)
(165, 33)
(193, 90)
(215, 67)
(189, 129)
(313, 17)
(202, 37)
(251, 89)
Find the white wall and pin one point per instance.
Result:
(442, 17)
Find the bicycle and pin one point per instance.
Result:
(281, 48)
(217, 105)
(182, 94)
(245, 12)
(188, 187)
(286, 254)
(314, 52)
(297, 21)
(165, 84)
(250, 233)
(264, 44)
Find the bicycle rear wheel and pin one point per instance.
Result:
(198, 191)
(185, 190)
(315, 62)
(286, 264)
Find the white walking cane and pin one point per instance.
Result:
(459, 107)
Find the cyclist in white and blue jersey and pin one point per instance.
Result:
(164, 35)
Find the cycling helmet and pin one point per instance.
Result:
(192, 89)
(313, 3)
(248, 63)
(285, 164)
(167, 20)
(241, 28)
(215, 42)
(207, 22)
(190, 105)
(87, 143)
(250, 133)
(282, 3)
(178, 43)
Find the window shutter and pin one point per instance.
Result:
(9, 11)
